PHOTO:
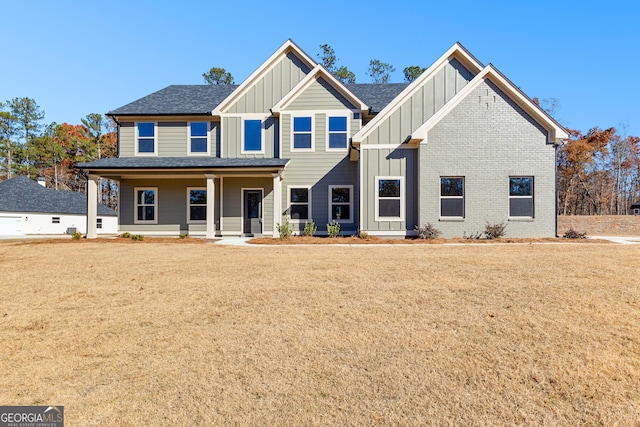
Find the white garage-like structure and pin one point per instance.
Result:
(26, 207)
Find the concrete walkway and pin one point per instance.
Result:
(623, 240)
(234, 241)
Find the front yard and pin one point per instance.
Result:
(159, 333)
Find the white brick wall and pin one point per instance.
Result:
(487, 138)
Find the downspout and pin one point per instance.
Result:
(557, 199)
(117, 134)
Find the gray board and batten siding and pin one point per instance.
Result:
(272, 87)
(414, 112)
(402, 160)
(487, 138)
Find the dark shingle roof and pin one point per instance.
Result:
(178, 99)
(181, 162)
(376, 96)
(202, 99)
(21, 194)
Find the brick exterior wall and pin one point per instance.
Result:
(486, 139)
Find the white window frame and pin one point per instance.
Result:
(189, 136)
(402, 198)
(262, 119)
(463, 197)
(289, 204)
(155, 139)
(98, 223)
(55, 220)
(293, 132)
(350, 203)
(189, 220)
(532, 197)
(135, 205)
(346, 115)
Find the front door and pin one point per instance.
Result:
(252, 212)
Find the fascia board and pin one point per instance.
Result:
(556, 131)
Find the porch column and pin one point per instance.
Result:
(211, 197)
(277, 202)
(92, 206)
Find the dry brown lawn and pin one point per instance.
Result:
(158, 333)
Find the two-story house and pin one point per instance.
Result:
(458, 147)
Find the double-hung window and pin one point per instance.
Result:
(341, 203)
(197, 201)
(303, 133)
(146, 138)
(389, 198)
(452, 197)
(252, 136)
(146, 206)
(521, 196)
(198, 138)
(300, 203)
(55, 220)
(99, 223)
(337, 132)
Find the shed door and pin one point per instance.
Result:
(10, 225)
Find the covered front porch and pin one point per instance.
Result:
(209, 197)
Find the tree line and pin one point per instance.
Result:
(30, 147)
(378, 71)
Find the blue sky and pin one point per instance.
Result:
(81, 57)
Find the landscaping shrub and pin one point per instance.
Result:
(76, 235)
(285, 230)
(573, 234)
(137, 237)
(472, 236)
(495, 231)
(333, 229)
(363, 235)
(126, 235)
(428, 231)
(309, 228)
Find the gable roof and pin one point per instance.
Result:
(556, 134)
(21, 194)
(456, 51)
(318, 72)
(177, 100)
(288, 46)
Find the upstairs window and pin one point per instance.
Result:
(302, 133)
(521, 196)
(452, 197)
(252, 136)
(197, 205)
(337, 127)
(389, 198)
(198, 137)
(299, 203)
(146, 137)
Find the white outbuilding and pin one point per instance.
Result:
(28, 207)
